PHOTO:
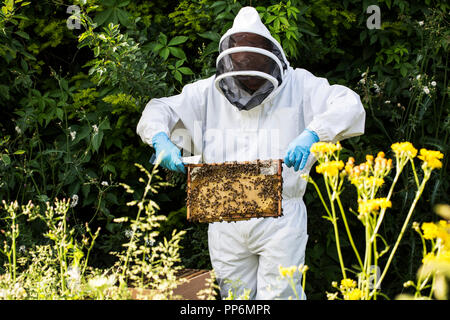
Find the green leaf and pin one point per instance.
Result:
(218, 3)
(112, 197)
(123, 17)
(284, 21)
(178, 76)
(24, 65)
(96, 51)
(276, 24)
(6, 159)
(97, 140)
(185, 70)
(403, 70)
(270, 19)
(303, 30)
(179, 63)
(212, 47)
(177, 52)
(157, 47)
(103, 16)
(178, 40)
(19, 152)
(211, 35)
(23, 34)
(109, 167)
(104, 125)
(123, 3)
(164, 53)
(4, 91)
(162, 38)
(59, 113)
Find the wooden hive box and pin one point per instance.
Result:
(233, 191)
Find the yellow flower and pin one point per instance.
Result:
(429, 257)
(431, 158)
(287, 272)
(382, 165)
(370, 181)
(443, 256)
(371, 205)
(303, 268)
(355, 294)
(348, 284)
(330, 167)
(403, 149)
(430, 230)
(322, 148)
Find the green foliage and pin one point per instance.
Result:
(282, 21)
(59, 269)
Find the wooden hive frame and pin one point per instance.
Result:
(260, 199)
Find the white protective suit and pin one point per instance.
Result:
(248, 253)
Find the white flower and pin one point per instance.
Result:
(22, 249)
(128, 233)
(426, 90)
(420, 23)
(418, 77)
(433, 83)
(101, 282)
(74, 200)
(105, 183)
(387, 102)
(95, 128)
(377, 88)
(18, 130)
(74, 273)
(74, 277)
(363, 75)
(73, 134)
(3, 294)
(362, 81)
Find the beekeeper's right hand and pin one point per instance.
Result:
(171, 155)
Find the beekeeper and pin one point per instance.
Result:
(256, 106)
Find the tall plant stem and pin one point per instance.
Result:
(141, 207)
(14, 236)
(336, 231)
(349, 233)
(367, 257)
(402, 231)
(383, 210)
(375, 264)
(320, 195)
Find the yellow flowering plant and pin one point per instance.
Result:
(289, 273)
(367, 177)
(433, 275)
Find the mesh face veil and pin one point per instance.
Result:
(250, 68)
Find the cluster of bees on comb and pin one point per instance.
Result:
(234, 191)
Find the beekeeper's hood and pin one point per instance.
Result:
(251, 65)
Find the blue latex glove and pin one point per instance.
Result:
(298, 150)
(171, 158)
